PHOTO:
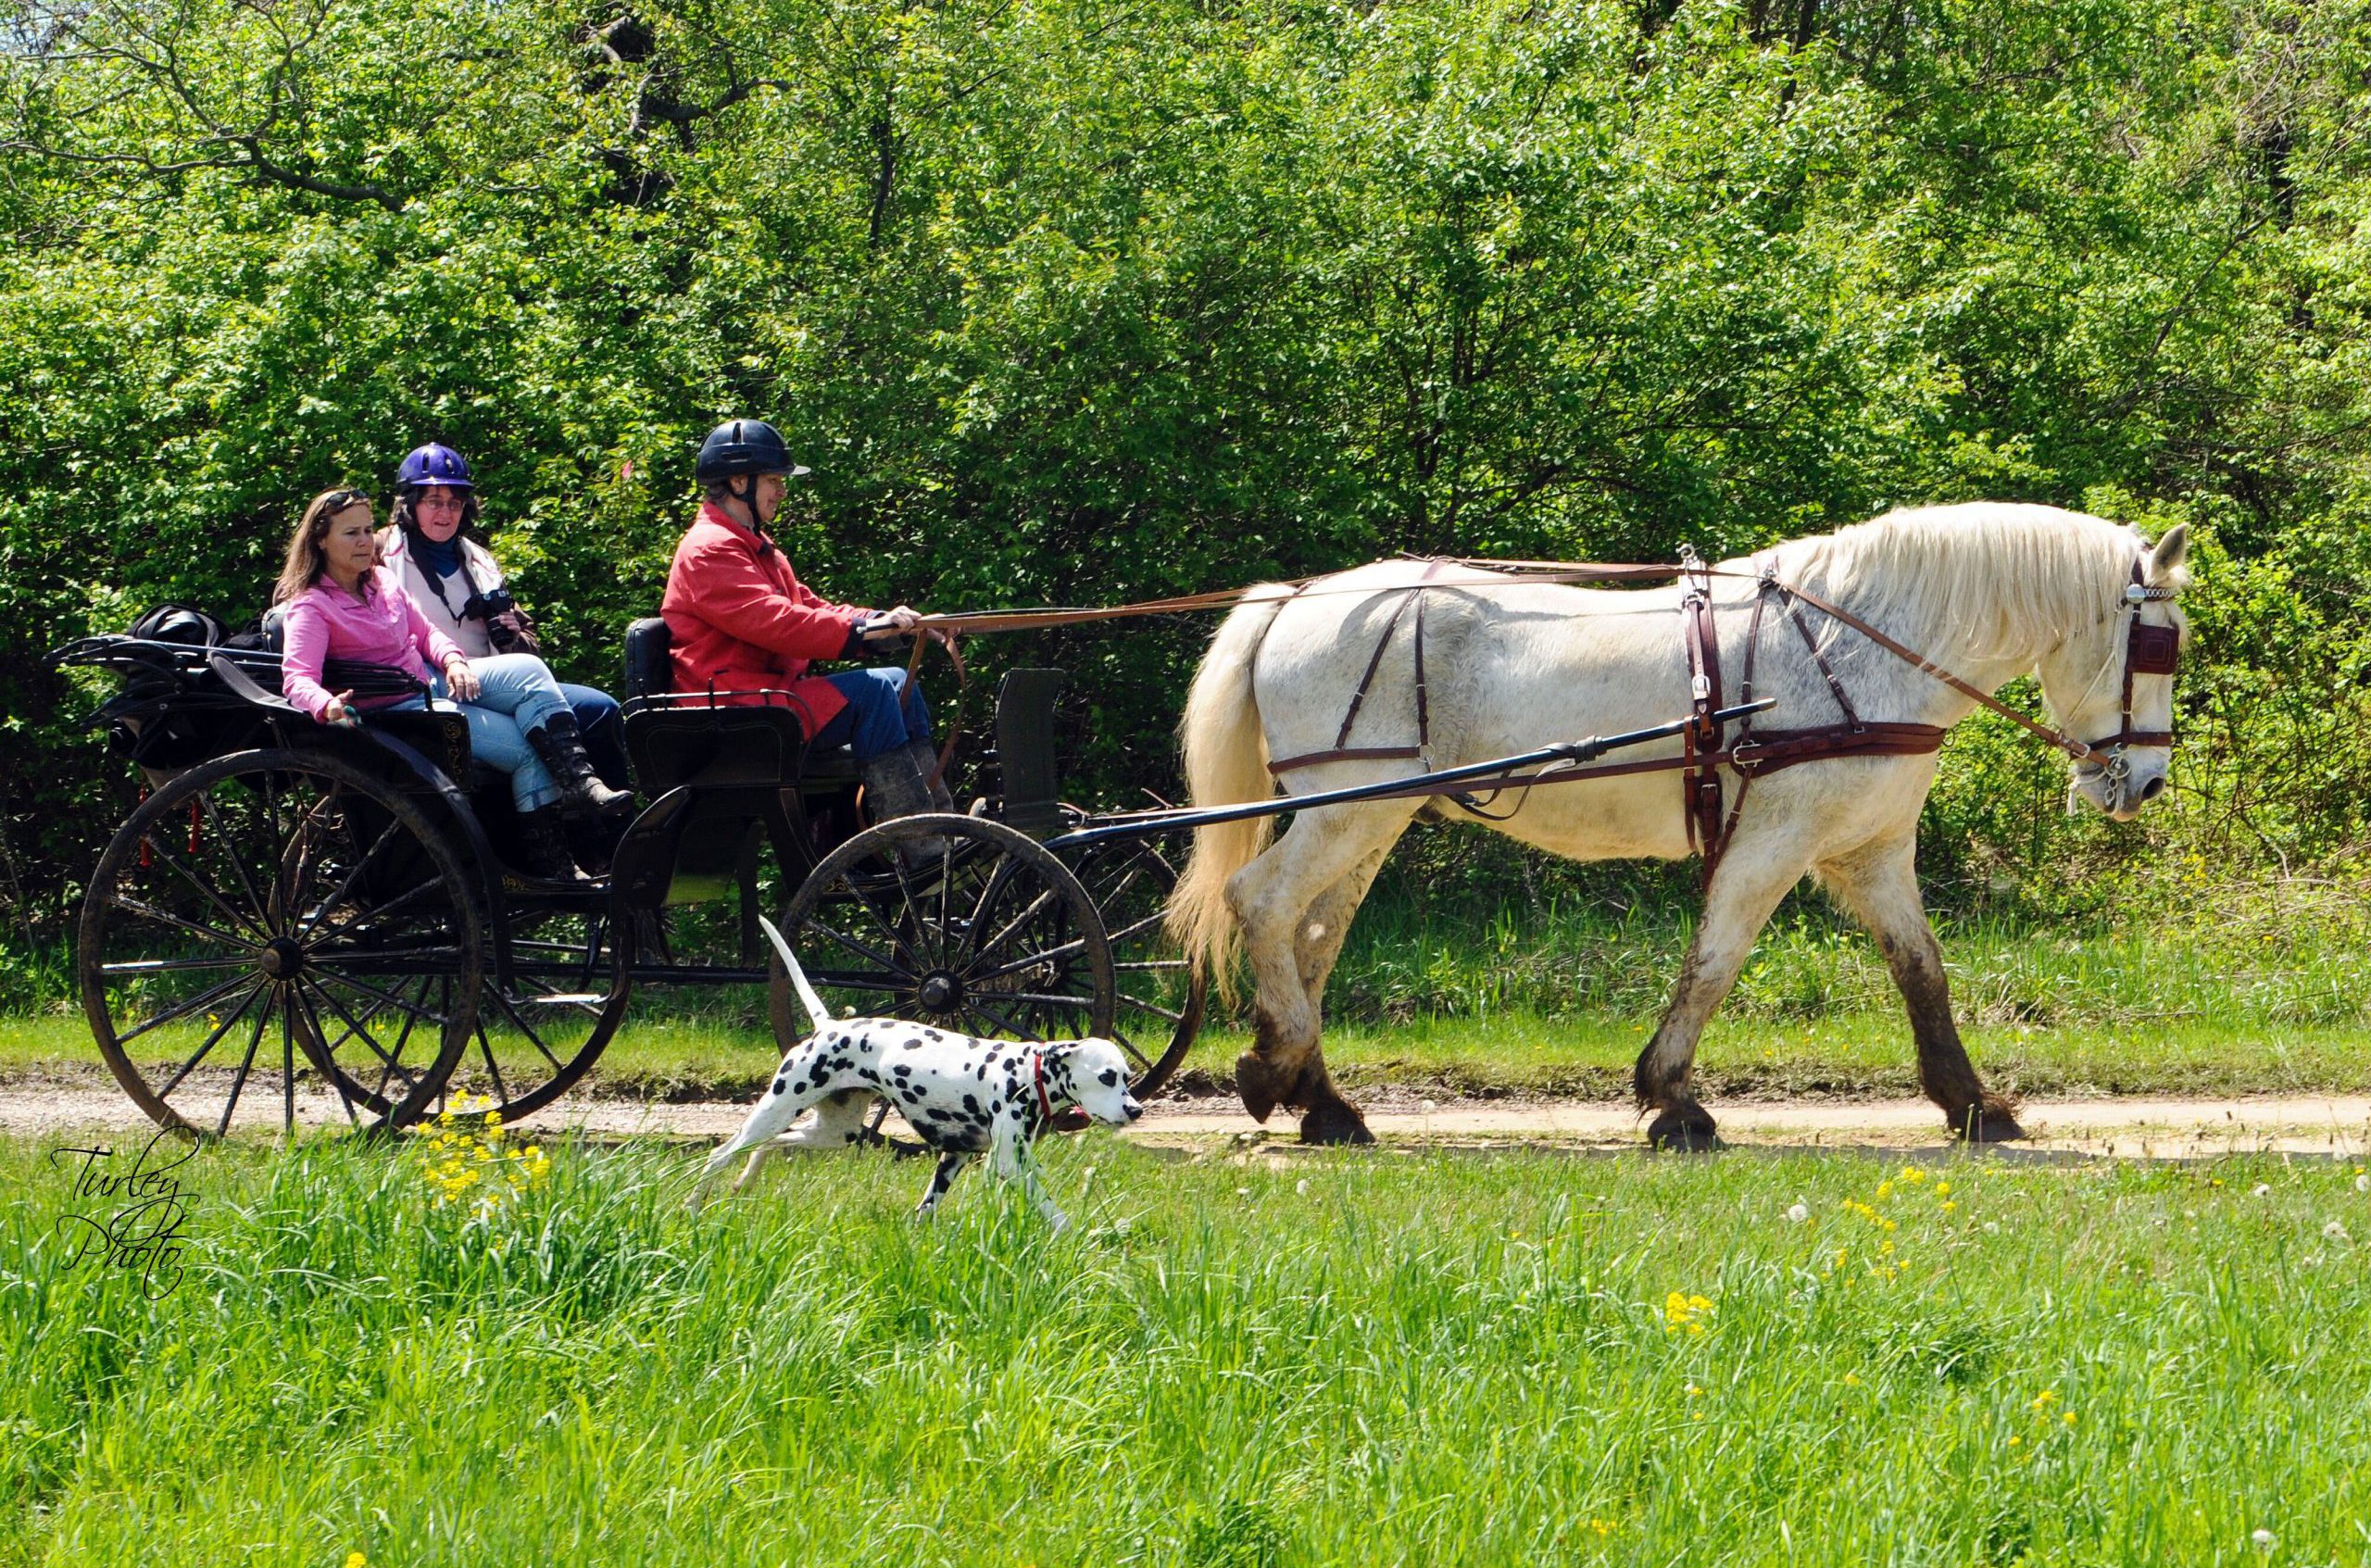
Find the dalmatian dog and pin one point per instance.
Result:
(963, 1096)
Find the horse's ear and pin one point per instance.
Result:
(2165, 559)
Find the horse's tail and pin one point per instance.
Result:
(1226, 761)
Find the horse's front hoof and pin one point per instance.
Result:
(1338, 1122)
(1683, 1132)
(1988, 1124)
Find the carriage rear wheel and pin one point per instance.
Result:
(1161, 997)
(989, 935)
(276, 927)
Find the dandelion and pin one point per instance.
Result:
(2262, 1189)
(2066, 1416)
(1603, 1527)
(1693, 1390)
(1950, 1206)
(2016, 1442)
(1684, 1312)
(1852, 1380)
(1911, 1175)
(2265, 1540)
(1797, 1212)
(2336, 1231)
(1300, 1187)
(1942, 1189)
(2046, 1398)
(355, 1560)
(2362, 1183)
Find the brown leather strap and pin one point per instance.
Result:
(1343, 751)
(1701, 782)
(1344, 754)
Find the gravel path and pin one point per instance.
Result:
(2136, 1128)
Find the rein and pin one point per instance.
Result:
(1705, 746)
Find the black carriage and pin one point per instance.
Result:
(297, 914)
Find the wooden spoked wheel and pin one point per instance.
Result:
(1161, 997)
(541, 1029)
(276, 928)
(987, 934)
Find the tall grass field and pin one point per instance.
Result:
(375, 1357)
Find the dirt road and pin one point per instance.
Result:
(2186, 1129)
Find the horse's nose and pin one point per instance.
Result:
(2152, 789)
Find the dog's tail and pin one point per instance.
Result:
(817, 1013)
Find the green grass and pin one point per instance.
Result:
(1346, 1359)
(2222, 990)
(1524, 1054)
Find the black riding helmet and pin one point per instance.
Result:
(743, 447)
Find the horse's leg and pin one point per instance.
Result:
(1879, 884)
(1751, 880)
(1316, 945)
(1272, 898)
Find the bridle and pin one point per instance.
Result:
(2148, 650)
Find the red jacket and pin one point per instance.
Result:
(740, 620)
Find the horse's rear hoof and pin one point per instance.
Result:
(1334, 1123)
(1683, 1132)
(1989, 1123)
(1255, 1080)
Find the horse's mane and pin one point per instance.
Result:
(2002, 575)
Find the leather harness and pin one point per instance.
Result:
(1711, 815)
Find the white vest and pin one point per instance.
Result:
(478, 574)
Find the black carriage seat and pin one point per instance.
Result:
(674, 744)
(1024, 753)
(442, 736)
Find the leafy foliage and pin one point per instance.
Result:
(1086, 301)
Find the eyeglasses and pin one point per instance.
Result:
(337, 501)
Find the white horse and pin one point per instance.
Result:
(1986, 591)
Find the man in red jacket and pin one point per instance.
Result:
(744, 628)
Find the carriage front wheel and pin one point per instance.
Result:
(985, 934)
(280, 930)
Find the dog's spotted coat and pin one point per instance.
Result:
(965, 1097)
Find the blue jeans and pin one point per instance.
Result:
(516, 693)
(874, 719)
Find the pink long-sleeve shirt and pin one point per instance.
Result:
(383, 627)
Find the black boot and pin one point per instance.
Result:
(544, 847)
(925, 757)
(561, 750)
(896, 785)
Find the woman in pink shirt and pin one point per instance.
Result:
(340, 603)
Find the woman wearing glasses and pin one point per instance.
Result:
(433, 546)
(339, 602)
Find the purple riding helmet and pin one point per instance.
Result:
(434, 464)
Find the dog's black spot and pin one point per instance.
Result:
(971, 1105)
(933, 1034)
(902, 1071)
(777, 1086)
(913, 1044)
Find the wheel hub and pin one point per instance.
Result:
(940, 991)
(281, 958)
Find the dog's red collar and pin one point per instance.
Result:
(1069, 1121)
